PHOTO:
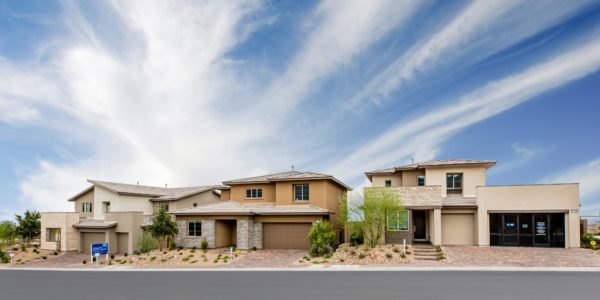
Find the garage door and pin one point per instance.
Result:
(88, 238)
(123, 243)
(458, 229)
(286, 235)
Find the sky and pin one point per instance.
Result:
(197, 92)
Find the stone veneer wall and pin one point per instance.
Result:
(257, 236)
(208, 233)
(245, 230)
(428, 196)
(69, 240)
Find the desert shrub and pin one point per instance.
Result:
(164, 252)
(4, 258)
(125, 254)
(357, 238)
(589, 240)
(322, 239)
(361, 255)
(147, 243)
(55, 253)
(163, 260)
(44, 257)
(388, 255)
(84, 262)
(186, 259)
(253, 249)
(112, 256)
(342, 260)
(396, 249)
(204, 245)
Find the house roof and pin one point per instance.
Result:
(286, 176)
(433, 163)
(235, 208)
(158, 193)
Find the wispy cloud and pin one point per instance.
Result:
(522, 154)
(477, 31)
(588, 177)
(426, 133)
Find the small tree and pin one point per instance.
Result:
(8, 233)
(29, 225)
(368, 213)
(322, 238)
(147, 243)
(163, 227)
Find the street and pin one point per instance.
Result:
(91, 285)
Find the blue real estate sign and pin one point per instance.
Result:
(99, 249)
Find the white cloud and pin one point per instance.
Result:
(587, 175)
(426, 133)
(522, 154)
(480, 29)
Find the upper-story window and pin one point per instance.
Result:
(253, 193)
(454, 182)
(86, 207)
(388, 183)
(300, 192)
(163, 205)
(105, 207)
(421, 180)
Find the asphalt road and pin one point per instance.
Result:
(47, 285)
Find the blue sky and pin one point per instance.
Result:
(194, 93)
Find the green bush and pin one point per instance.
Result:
(204, 245)
(147, 243)
(4, 258)
(587, 239)
(357, 238)
(322, 239)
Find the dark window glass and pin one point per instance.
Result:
(194, 228)
(420, 180)
(557, 230)
(248, 194)
(301, 192)
(454, 181)
(541, 229)
(388, 183)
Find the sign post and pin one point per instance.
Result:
(12, 255)
(97, 249)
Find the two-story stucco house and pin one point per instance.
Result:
(115, 213)
(273, 211)
(448, 203)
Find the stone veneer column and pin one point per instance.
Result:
(245, 230)
(257, 236)
(208, 232)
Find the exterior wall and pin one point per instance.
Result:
(398, 237)
(530, 198)
(238, 193)
(208, 233)
(225, 195)
(317, 193)
(201, 198)
(85, 198)
(409, 178)
(69, 240)
(287, 219)
(128, 222)
(102, 195)
(379, 180)
(472, 178)
(132, 203)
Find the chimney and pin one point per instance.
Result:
(166, 186)
(292, 168)
(138, 183)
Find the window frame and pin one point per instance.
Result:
(106, 207)
(53, 235)
(303, 194)
(399, 221)
(454, 181)
(254, 193)
(418, 180)
(85, 205)
(195, 228)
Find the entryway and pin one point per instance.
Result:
(225, 233)
(419, 225)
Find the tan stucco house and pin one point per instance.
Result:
(448, 203)
(272, 211)
(115, 213)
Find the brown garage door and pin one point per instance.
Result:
(123, 243)
(88, 238)
(286, 235)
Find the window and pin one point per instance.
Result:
(195, 204)
(397, 221)
(105, 207)
(388, 183)
(52, 234)
(86, 207)
(195, 228)
(163, 205)
(421, 180)
(454, 181)
(300, 192)
(253, 193)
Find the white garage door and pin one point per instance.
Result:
(458, 229)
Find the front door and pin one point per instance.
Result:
(419, 223)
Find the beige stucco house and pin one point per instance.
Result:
(272, 211)
(115, 213)
(448, 203)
